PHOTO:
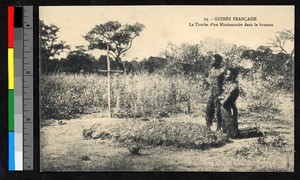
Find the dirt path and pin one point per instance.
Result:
(64, 149)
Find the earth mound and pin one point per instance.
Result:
(158, 133)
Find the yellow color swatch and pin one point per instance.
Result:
(11, 78)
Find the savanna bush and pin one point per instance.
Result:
(259, 95)
(148, 94)
(68, 96)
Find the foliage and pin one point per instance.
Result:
(259, 99)
(262, 146)
(134, 150)
(132, 67)
(175, 82)
(85, 158)
(185, 59)
(268, 66)
(114, 65)
(150, 94)
(281, 39)
(153, 64)
(116, 36)
(68, 96)
(272, 141)
(273, 64)
(78, 61)
(140, 95)
(50, 47)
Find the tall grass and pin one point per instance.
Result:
(259, 96)
(69, 96)
(146, 95)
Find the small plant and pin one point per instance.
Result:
(85, 158)
(279, 141)
(61, 123)
(274, 141)
(103, 135)
(244, 151)
(87, 133)
(134, 150)
(263, 143)
(253, 150)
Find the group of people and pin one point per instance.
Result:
(224, 91)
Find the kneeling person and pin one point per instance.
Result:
(228, 99)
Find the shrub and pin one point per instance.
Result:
(272, 141)
(259, 97)
(263, 144)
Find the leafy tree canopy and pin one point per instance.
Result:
(116, 36)
(50, 47)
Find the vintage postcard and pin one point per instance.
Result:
(166, 88)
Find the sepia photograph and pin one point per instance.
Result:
(166, 88)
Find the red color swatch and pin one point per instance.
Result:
(10, 26)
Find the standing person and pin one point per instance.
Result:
(228, 99)
(216, 79)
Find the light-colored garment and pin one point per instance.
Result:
(229, 88)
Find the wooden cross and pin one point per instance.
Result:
(108, 71)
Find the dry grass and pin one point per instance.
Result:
(143, 95)
(70, 96)
(74, 96)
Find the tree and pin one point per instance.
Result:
(154, 64)
(261, 59)
(79, 61)
(279, 43)
(49, 47)
(185, 59)
(116, 36)
(283, 41)
(270, 66)
(131, 66)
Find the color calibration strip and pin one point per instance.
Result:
(11, 133)
(20, 87)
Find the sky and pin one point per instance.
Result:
(170, 24)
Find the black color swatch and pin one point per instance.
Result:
(18, 18)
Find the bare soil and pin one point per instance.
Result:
(63, 147)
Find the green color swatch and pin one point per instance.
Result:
(11, 110)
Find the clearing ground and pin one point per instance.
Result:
(63, 147)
